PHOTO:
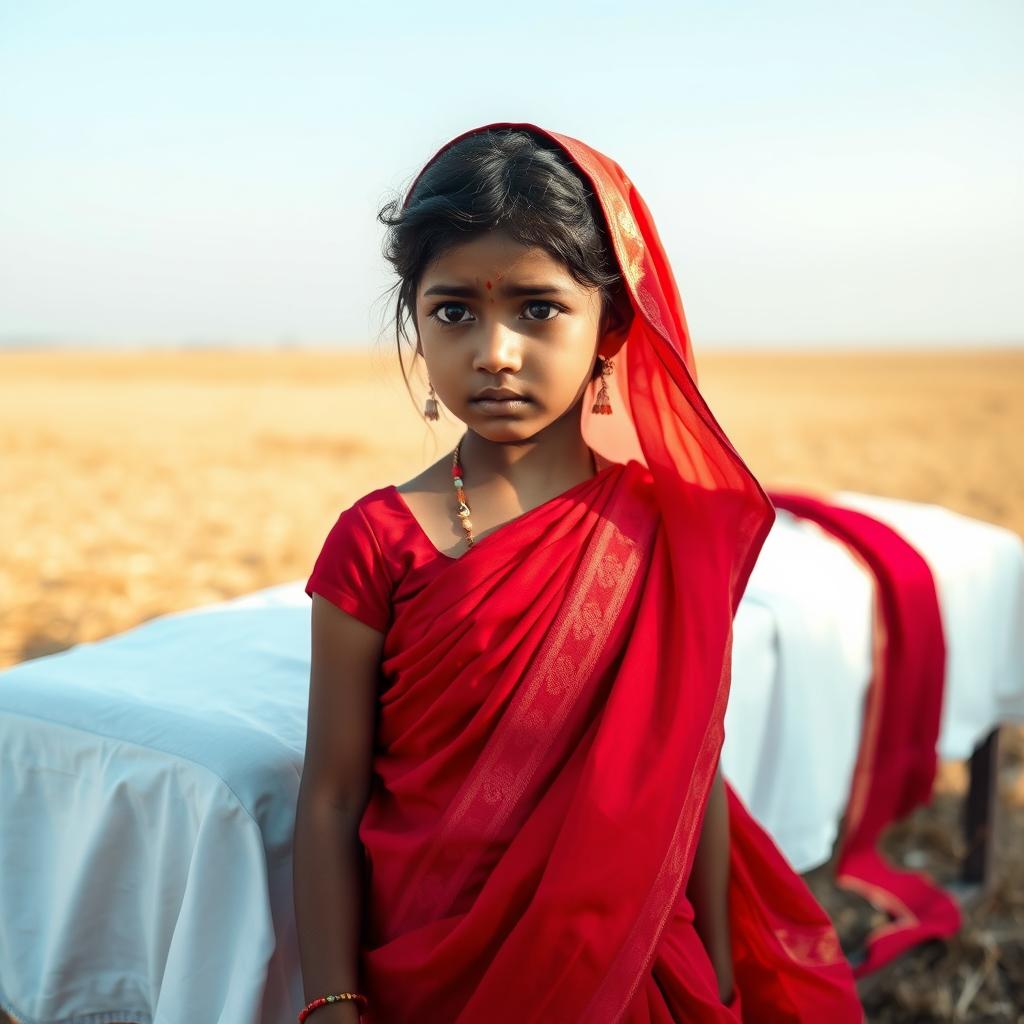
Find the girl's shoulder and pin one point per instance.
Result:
(372, 557)
(364, 523)
(372, 508)
(353, 569)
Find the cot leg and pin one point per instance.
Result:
(980, 815)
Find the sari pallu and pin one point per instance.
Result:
(897, 757)
(542, 769)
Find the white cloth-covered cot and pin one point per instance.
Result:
(802, 660)
(148, 781)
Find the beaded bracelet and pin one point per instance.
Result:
(360, 1001)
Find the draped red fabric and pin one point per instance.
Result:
(552, 721)
(897, 757)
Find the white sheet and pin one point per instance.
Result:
(146, 808)
(148, 781)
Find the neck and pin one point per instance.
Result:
(554, 458)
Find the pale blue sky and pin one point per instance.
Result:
(210, 172)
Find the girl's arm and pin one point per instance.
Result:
(328, 878)
(708, 887)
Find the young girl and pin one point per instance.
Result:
(510, 808)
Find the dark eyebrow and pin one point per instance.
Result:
(468, 292)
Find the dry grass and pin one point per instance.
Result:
(138, 484)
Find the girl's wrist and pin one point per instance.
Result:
(344, 1011)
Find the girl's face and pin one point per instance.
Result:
(493, 313)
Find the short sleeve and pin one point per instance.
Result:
(350, 571)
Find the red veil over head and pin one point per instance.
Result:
(537, 873)
(662, 419)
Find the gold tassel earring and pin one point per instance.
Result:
(602, 404)
(430, 406)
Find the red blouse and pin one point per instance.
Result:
(375, 556)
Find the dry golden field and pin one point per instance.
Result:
(139, 483)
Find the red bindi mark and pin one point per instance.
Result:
(488, 283)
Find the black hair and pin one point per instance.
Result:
(508, 178)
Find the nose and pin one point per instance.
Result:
(498, 348)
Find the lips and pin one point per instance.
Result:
(499, 394)
(505, 404)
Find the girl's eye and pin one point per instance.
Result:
(451, 314)
(546, 310)
(446, 307)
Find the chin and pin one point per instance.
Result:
(504, 435)
(502, 431)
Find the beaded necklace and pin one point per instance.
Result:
(460, 493)
(463, 509)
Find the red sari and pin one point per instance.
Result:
(551, 719)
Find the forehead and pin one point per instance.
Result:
(496, 256)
